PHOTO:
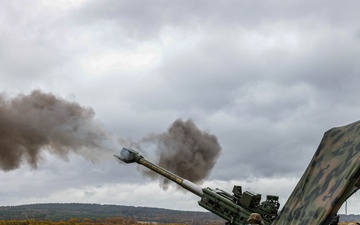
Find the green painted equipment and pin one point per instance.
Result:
(234, 208)
(332, 176)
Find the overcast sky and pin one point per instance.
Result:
(267, 78)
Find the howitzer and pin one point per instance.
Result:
(234, 208)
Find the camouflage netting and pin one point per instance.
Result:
(332, 176)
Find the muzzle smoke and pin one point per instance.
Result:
(32, 123)
(184, 150)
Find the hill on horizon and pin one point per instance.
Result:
(66, 211)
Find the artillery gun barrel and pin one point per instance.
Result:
(235, 209)
(131, 156)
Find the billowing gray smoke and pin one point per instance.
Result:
(32, 123)
(184, 150)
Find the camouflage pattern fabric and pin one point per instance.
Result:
(332, 176)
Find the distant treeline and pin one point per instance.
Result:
(351, 217)
(74, 221)
(65, 214)
(58, 212)
(108, 221)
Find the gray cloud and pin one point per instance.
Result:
(268, 79)
(130, 16)
(29, 46)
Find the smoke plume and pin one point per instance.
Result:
(184, 150)
(32, 123)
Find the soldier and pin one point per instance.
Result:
(335, 220)
(255, 218)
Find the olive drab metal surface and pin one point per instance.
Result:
(332, 176)
(234, 208)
